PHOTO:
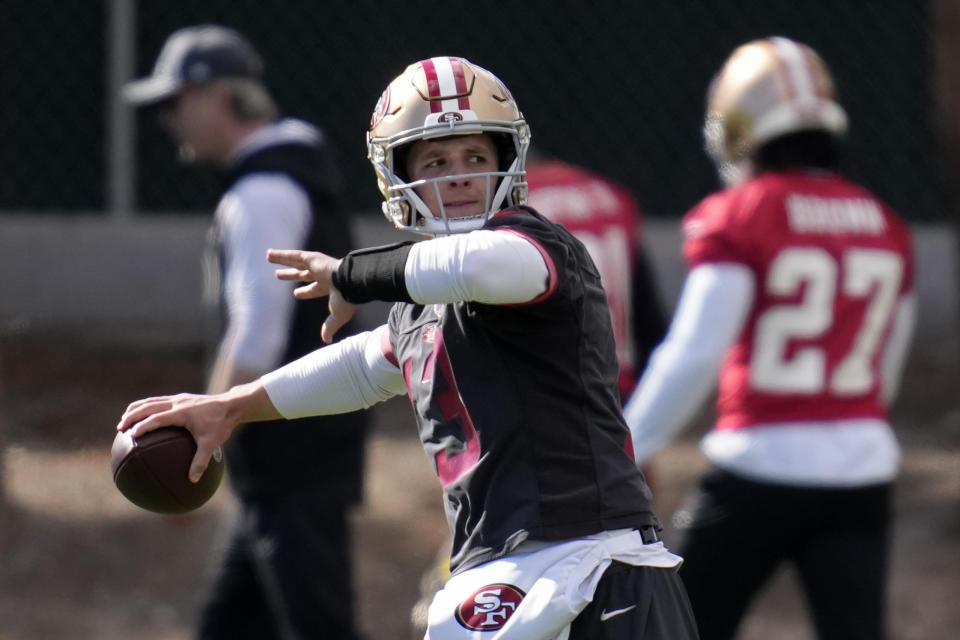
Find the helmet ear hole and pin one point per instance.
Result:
(506, 152)
(400, 156)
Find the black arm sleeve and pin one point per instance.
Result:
(376, 273)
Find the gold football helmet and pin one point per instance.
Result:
(441, 97)
(766, 89)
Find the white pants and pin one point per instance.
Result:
(535, 595)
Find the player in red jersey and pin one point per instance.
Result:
(800, 300)
(607, 219)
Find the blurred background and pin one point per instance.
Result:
(101, 232)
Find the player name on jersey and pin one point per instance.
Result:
(813, 214)
(580, 201)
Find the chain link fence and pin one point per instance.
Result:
(616, 86)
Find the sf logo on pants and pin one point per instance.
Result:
(490, 607)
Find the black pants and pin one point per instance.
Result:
(735, 533)
(287, 574)
(636, 603)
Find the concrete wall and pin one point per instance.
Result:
(141, 277)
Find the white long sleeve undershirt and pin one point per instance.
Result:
(492, 267)
(346, 376)
(684, 368)
(898, 345)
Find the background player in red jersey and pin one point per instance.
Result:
(500, 335)
(607, 219)
(800, 294)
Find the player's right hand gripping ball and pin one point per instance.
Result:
(151, 470)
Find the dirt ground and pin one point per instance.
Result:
(77, 561)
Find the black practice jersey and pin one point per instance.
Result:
(518, 407)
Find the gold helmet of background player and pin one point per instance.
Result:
(766, 89)
(435, 98)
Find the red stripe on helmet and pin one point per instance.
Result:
(460, 78)
(433, 85)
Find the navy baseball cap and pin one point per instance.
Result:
(195, 55)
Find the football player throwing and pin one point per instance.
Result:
(501, 337)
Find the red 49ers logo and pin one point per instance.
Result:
(381, 109)
(490, 607)
(450, 116)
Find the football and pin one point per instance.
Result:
(151, 470)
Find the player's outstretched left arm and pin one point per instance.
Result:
(210, 418)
